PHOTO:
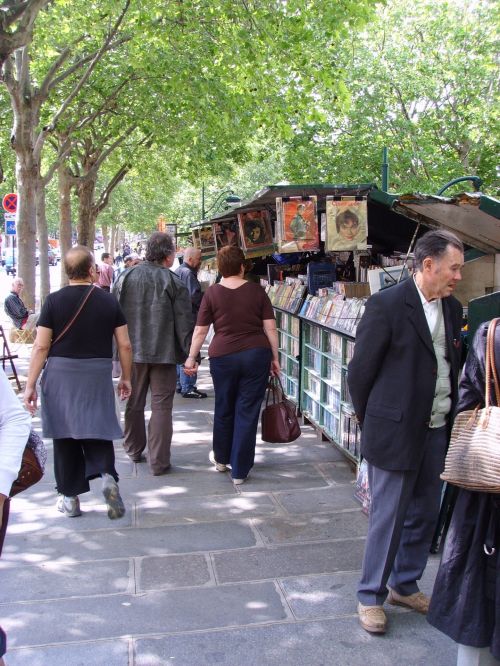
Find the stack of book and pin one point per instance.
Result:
(333, 310)
(287, 295)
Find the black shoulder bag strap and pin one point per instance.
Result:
(73, 318)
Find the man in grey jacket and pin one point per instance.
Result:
(158, 311)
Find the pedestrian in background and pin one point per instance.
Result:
(158, 310)
(188, 273)
(75, 332)
(243, 353)
(106, 272)
(403, 380)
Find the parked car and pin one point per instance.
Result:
(53, 258)
(9, 265)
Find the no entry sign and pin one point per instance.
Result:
(9, 203)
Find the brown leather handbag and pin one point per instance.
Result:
(280, 424)
(32, 465)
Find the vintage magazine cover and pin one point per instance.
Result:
(207, 241)
(255, 231)
(226, 233)
(298, 224)
(346, 224)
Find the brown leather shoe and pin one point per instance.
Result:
(418, 601)
(372, 619)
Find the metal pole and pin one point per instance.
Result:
(203, 201)
(385, 171)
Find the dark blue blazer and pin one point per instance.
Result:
(392, 375)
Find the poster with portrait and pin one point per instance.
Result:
(207, 241)
(346, 224)
(171, 229)
(255, 231)
(298, 224)
(196, 238)
(226, 233)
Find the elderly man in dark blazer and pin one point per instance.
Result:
(403, 381)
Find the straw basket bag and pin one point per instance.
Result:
(473, 459)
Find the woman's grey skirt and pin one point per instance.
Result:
(78, 399)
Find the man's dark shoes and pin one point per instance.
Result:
(194, 393)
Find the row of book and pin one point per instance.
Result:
(334, 311)
(287, 295)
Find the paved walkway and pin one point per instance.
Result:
(200, 572)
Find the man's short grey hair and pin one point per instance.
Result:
(434, 244)
(159, 247)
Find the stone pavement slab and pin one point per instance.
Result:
(39, 623)
(111, 653)
(113, 543)
(333, 498)
(166, 510)
(313, 527)
(282, 477)
(282, 561)
(55, 580)
(337, 642)
(172, 571)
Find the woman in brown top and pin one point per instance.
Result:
(243, 353)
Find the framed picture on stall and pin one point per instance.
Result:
(207, 241)
(255, 230)
(298, 224)
(171, 229)
(196, 238)
(346, 224)
(226, 233)
(381, 278)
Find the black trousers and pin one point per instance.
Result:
(77, 461)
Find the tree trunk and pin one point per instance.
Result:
(26, 173)
(114, 236)
(105, 238)
(86, 216)
(65, 228)
(43, 240)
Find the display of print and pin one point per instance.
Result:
(207, 241)
(226, 233)
(196, 238)
(381, 278)
(346, 224)
(298, 225)
(171, 229)
(255, 230)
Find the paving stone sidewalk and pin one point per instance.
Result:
(200, 572)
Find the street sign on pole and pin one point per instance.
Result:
(9, 202)
(10, 226)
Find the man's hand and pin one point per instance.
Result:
(124, 388)
(30, 400)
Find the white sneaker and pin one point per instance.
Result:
(70, 506)
(220, 467)
(238, 482)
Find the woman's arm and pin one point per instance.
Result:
(272, 336)
(199, 335)
(124, 348)
(39, 354)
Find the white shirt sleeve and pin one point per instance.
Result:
(15, 425)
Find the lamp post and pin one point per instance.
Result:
(226, 196)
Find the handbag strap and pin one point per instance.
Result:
(491, 370)
(275, 388)
(74, 317)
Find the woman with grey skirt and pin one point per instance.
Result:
(75, 332)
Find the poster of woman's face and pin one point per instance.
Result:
(346, 225)
(255, 229)
(299, 230)
(226, 233)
